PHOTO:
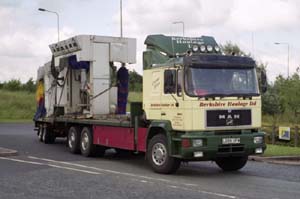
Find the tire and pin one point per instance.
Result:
(159, 157)
(48, 135)
(87, 148)
(73, 141)
(41, 133)
(232, 163)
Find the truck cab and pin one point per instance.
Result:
(208, 105)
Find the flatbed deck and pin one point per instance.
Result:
(104, 120)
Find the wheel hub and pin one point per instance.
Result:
(71, 139)
(159, 154)
(84, 141)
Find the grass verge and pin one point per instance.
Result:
(20, 106)
(278, 150)
(17, 106)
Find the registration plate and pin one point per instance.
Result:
(231, 140)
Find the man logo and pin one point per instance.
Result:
(229, 122)
(229, 118)
(235, 116)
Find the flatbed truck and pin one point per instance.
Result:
(198, 104)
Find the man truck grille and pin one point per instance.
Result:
(232, 148)
(219, 118)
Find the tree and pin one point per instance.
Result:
(289, 91)
(135, 81)
(233, 49)
(12, 85)
(29, 85)
(271, 103)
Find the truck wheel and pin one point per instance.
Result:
(232, 163)
(87, 147)
(48, 135)
(41, 133)
(74, 139)
(158, 156)
(86, 142)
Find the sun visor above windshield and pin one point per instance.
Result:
(172, 45)
(219, 61)
(161, 49)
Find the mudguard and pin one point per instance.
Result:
(160, 126)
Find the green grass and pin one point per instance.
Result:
(278, 150)
(284, 120)
(20, 106)
(16, 106)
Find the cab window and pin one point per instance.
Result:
(169, 81)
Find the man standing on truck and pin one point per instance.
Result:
(122, 81)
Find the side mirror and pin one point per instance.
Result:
(263, 81)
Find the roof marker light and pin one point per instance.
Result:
(209, 48)
(202, 48)
(195, 48)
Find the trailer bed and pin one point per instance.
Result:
(103, 120)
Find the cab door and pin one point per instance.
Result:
(152, 86)
(171, 100)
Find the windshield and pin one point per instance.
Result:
(221, 82)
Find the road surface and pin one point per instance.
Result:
(50, 171)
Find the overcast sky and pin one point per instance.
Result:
(254, 25)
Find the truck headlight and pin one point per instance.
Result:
(209, 48)
(195, 48)
(258, 150)
(202, 48)
(197, 142)
(258, 140)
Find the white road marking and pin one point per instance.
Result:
(50, 165)
(73, 169)
(136, 176)
(191, 185)
(23, 161)
(99, 169)
(210, 193)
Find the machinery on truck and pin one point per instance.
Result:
(198, 104)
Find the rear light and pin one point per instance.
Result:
(185, 143)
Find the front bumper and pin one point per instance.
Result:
(213, 148)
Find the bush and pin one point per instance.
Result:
(29, 86)
(12, 85)
(16, 85)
